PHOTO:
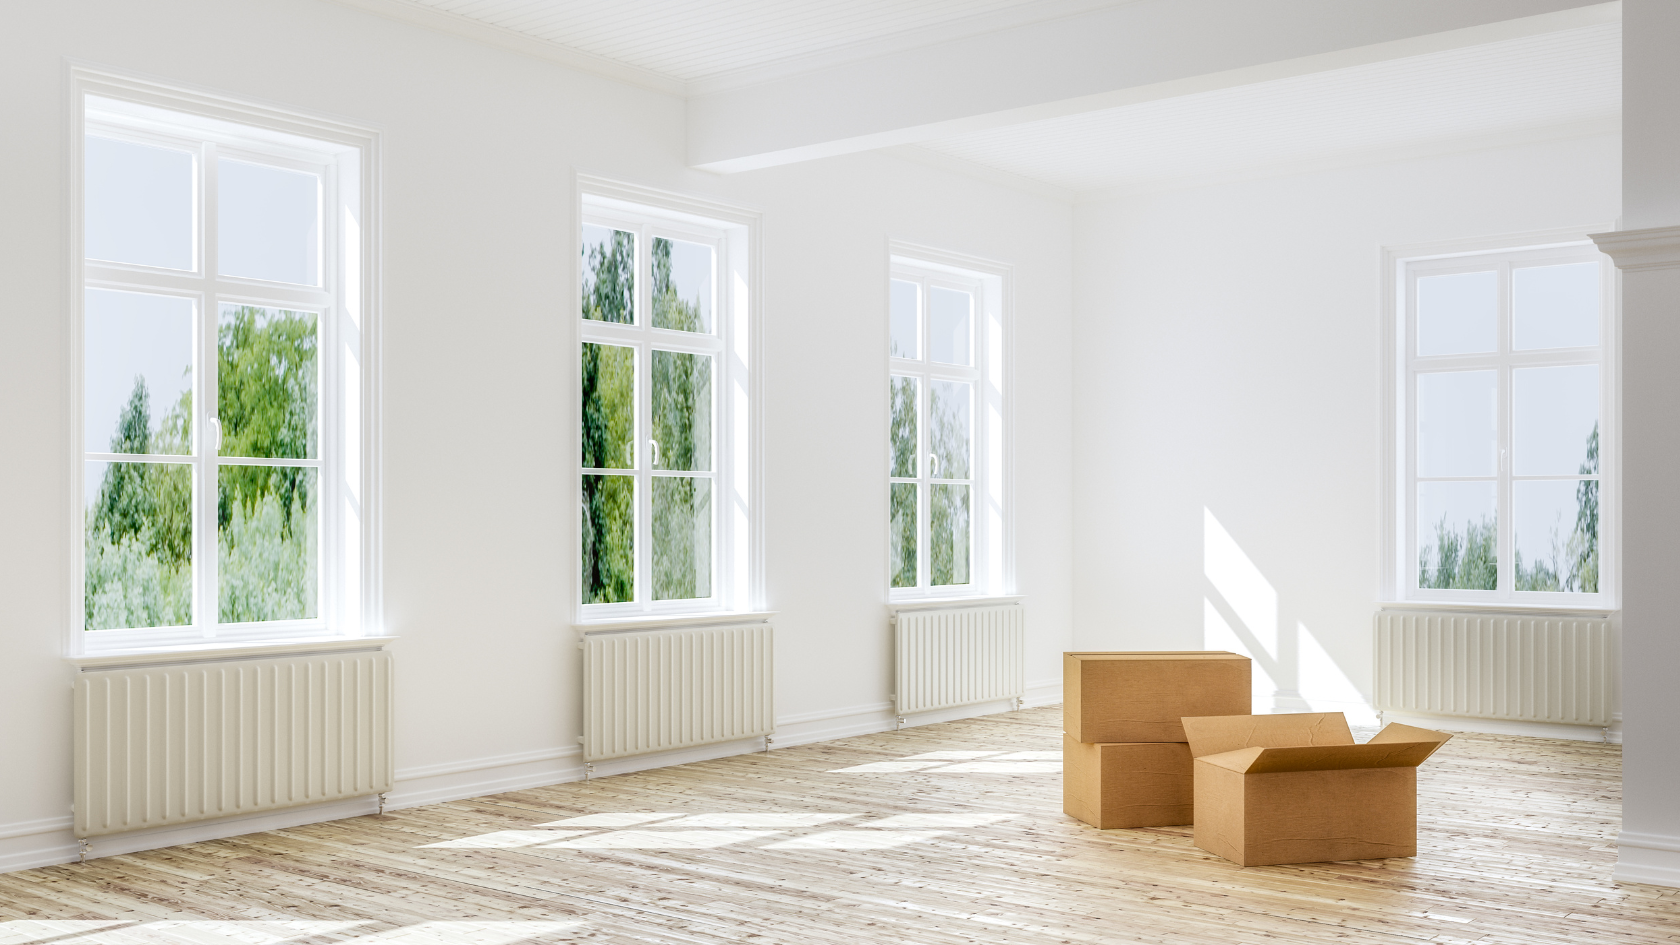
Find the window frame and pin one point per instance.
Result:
(991, 509)
(1403, 266)
(345, 301)
(736, 552)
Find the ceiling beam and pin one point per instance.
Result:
(1135, 52)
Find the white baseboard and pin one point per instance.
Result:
(1647, 858)
(48, 842)
(1452, 723)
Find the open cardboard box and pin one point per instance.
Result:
(1140, 697)
(1296, 788)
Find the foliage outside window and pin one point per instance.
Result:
(650, 386)
(212, 300)
(1505, 405)
(936, 356)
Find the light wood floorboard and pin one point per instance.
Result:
(1517, 845)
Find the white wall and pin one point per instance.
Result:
(1227, 362)
(480, 146)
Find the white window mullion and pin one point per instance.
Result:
(206, 414)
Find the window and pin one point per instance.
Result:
(1503, 427)
(664, 426)
(945, 431)
(223, 332)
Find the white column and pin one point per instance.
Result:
(1647, 251)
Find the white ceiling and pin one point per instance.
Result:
(1561, 82)
(696, 40)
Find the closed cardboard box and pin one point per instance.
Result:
(1127, 784)
(1273, 789)
(1140, 697)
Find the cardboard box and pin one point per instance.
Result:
(1127, 784)
(1140, 697)
(1296, 788)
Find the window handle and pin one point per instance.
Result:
(933, 460)
(655, 445)
(216, 431)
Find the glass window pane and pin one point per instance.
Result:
(609, 406)
(950, 326)
(1456, 424)
(901, 528)
(682, 411)
(1555, 422)
(268, 223)
(137, 548)
(267, 378)
(1556, 534)
(137, 381)
(903, 424)
(609, 274)
(1457, 527)
(682, 538)
(948, 533)
(682, 285)
(906, 319)
(948, 429)
(139, 204)
(1458, 314)
(267, 547)
(1555, 306)
(609, 529)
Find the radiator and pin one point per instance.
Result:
(1529, 669)
(659, 690)
(159, 746)
(958, 657)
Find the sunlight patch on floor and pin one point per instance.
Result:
(265, 932)
(855, 840)
(668, 831)
(965, 762)
(660, 839)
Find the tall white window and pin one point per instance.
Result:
(224, 476)
(663, 490)
(945, 431)
(1503, 427)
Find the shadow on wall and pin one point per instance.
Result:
(1293, 672)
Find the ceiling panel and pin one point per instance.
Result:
(698, 39)
(1546, 81)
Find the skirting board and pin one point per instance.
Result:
(1647, 858)
(48, 842)
(1452, 723)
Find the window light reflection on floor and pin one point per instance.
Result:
(610, 820)
(855, 840)
(660, 839)
(965, 761)
(272, 932)
(670, 831)
(503, 839)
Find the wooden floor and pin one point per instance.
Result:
(969, 845)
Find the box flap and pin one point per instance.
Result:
(1324, 757)
(1394, 732)
(1216, 734)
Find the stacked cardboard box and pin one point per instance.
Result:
(1126, 761)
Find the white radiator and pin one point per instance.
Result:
(658, 690)
(959, 657)
(159, 746)
(1530, 669)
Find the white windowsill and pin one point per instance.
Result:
(1549, 610)
(615, 624)
(896, 607)
(211, 652)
